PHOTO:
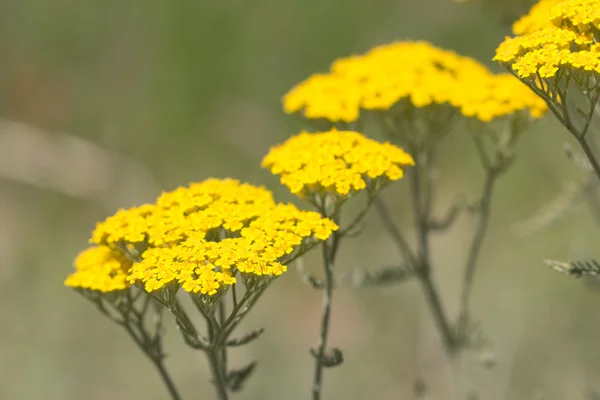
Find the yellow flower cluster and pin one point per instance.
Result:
(500, 95)
(338, 162)
(204, 266)
(417, 72)
(198, 237)
(101, 269)
(567, 41)
(537, 18)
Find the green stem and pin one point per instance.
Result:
(216, 371)
(166, 378)
(422, 207)
(223, 347)
(325, 320)
(397, 236)
(483, 217)
(157, 359)
(589, 153)
(439, 316)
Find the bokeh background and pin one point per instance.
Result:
(103, 104)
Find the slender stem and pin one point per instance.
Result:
(395, 233)
(420, 210)
(439, 316)
(216, 353)
(234, 295)
(325, 320)
(359, 217)
(234, 312)
(156, 358)
(422, 207)
(166, 378)
(589, 153)
(238, 313)
(483, 216)
(132, 320)
(223, 347)
(218, 377)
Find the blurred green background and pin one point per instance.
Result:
(103, 104)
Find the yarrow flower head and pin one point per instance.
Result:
(416, 73)
(198, 238)
(557, 50)
(101, 269)
(338, 163)
(537, 18)
(562, 39)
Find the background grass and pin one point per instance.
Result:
(183, 90)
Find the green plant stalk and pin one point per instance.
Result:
(421, 192)
(216, 369)
(589, 154)
(157, 360)
(483, 217)
(329, 249)
(212, 348)
(223, 356)
(561, 113)
(150, 346)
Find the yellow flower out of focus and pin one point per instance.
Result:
(565, 42)
(100, 268)
(537, 18)
(417, 72)
(501, 95)
(198, 237)
(338, 162)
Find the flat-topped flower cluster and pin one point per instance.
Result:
(416, 72)
(556, 38)
(198, 238)
(336, 162)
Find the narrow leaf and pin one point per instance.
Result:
(575, 268)
(246, 338)
(237, 377)
(384, 276)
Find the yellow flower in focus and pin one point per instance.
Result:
(198, 238)
(205, 207)
(100, 268)
(205, 267)
(130, 226)
(582, 16)
(338, 162)
(549, 51)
